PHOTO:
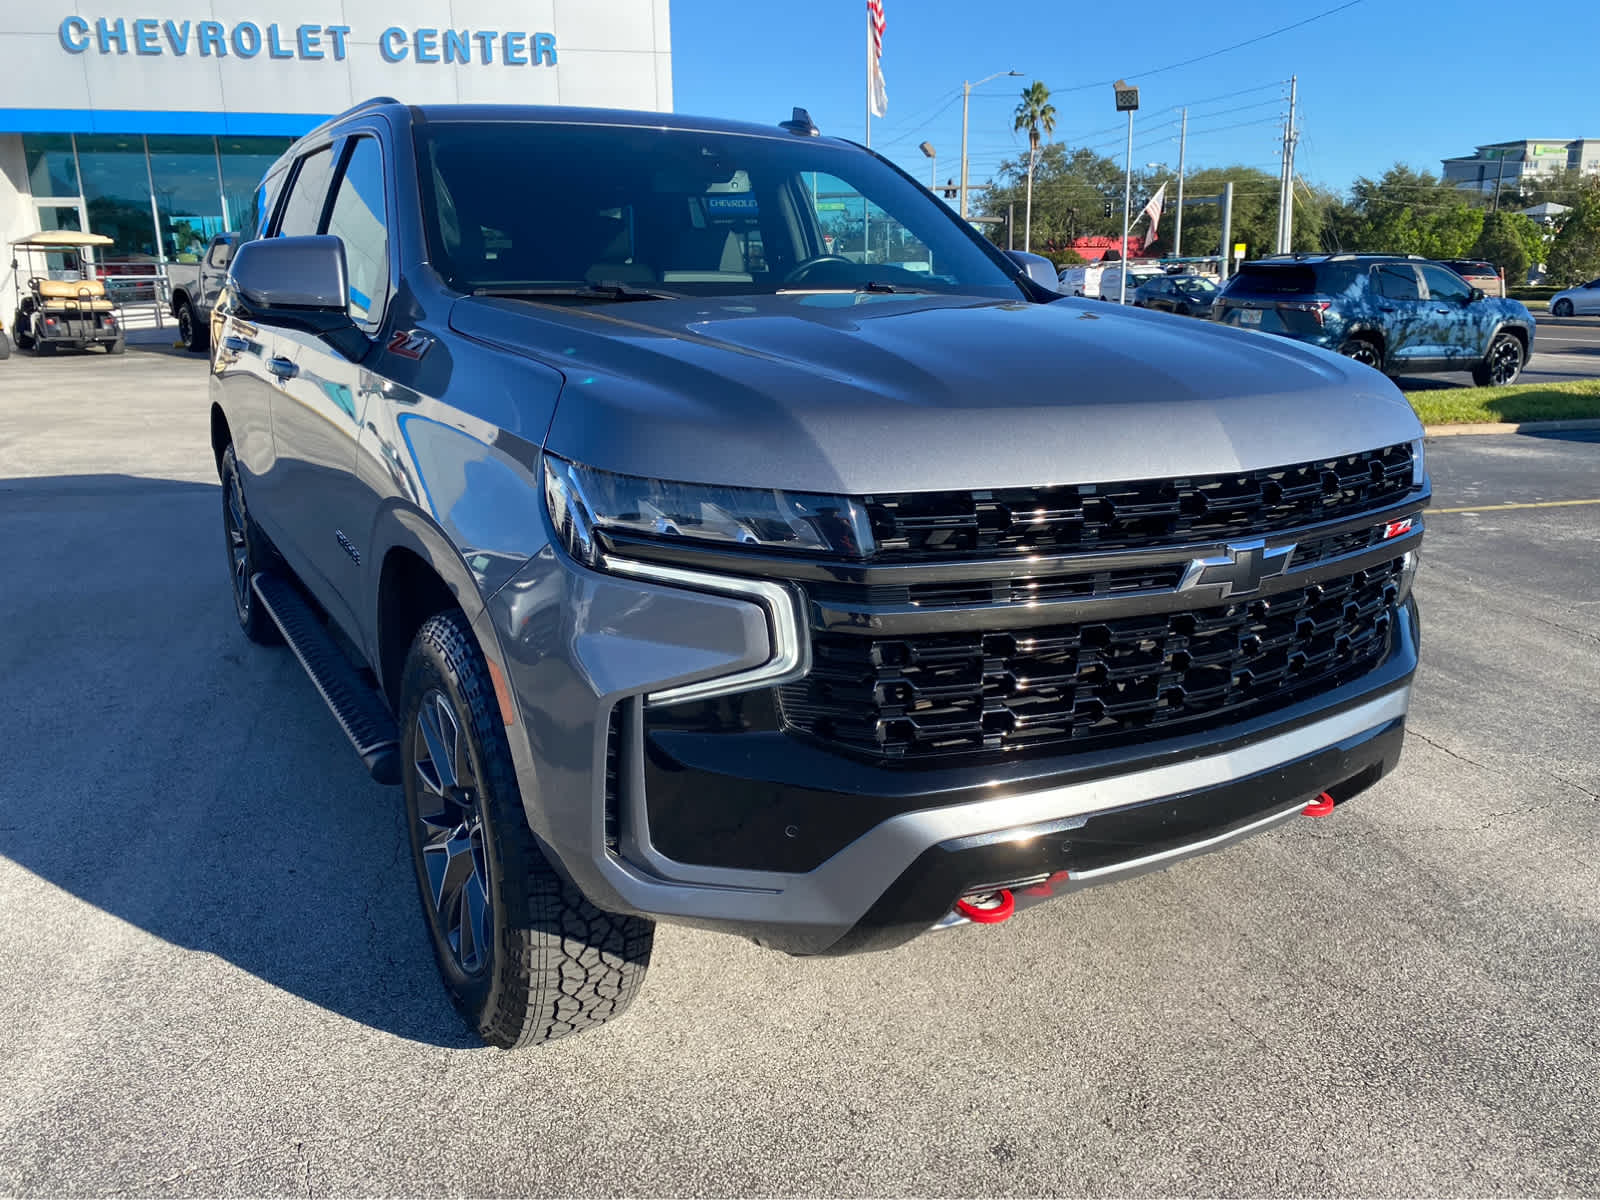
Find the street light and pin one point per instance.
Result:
(1128, 102)
(966, 101)
(933, 167)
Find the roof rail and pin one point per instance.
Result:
(370, 102)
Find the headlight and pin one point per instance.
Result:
(1418, 474)
(583, 501)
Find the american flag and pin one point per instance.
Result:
(880, 93)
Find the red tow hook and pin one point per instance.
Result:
(988, 908)
(1320, 807)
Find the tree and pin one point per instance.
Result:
(1407, 212)
(1575, 251)
(1500, 243)
(1035, 114)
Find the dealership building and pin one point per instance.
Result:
(153, 127)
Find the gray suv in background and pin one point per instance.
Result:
(699, 523)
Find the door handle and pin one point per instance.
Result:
(1445, 311)
(235, 343)
(283, 368)
(1385, 308)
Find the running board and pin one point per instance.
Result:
(359, 709)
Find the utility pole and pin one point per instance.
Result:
(1011, 224)
(1183, 144)
(1227, 229)
(966, 104)
(1286, 187)
(1498, 178)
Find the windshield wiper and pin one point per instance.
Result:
(872, 285)
(583, 291)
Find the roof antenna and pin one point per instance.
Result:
(801, 124)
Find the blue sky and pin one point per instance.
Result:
(1380, 81)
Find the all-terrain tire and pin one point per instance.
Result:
(196, 336)
(544, 962)
(1502, 364)
(248, 551)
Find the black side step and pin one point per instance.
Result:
(360, 710)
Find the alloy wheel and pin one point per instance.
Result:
(1505, 362)
(238, 547)
(450, 829)
(1363, 352)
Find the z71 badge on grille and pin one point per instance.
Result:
(1240, 571)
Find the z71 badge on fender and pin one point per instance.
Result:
(410, 343)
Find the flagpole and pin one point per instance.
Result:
(866, 220)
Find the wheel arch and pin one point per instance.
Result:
(1517, 331)
(180, 296)
(221, 435)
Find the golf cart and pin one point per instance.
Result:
(59, 301)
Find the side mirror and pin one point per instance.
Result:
(292, 279)
(298, 283)
(1038, 268)
(1475, 295)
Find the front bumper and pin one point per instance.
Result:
(582, 650)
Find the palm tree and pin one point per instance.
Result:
(1037, 115)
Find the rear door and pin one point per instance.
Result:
(1406, 329)
(319, 409)
(1587, 298)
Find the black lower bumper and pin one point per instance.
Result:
(1062, 856)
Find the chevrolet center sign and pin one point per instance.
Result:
(152, 38)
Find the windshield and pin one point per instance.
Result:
(542, 206)
(1194, 285)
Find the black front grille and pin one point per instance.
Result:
(1155, 512)
(1090, 684)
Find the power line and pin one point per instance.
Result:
(1189, 62)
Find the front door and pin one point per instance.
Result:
(1458, 329)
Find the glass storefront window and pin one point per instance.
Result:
(244, 161)
(49, 162)
(116, 189)
(184, 171)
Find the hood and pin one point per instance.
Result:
(870, 393)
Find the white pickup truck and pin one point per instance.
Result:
(195, 287)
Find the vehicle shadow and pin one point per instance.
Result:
(182, 779)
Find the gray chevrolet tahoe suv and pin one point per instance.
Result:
(699, 523)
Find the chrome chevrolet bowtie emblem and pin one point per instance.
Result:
(1240, 571)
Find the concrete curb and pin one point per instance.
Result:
(1468, 428)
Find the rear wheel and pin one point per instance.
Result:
(120, 346)
(19, 328)
(5, 346)
(1502, 364)
(194, 334)
(523, 954)
(1561, 308)
(1363, 350)
(247, 553)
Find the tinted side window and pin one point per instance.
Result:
(302, 212)
(266, 199)
(1397, 283)
(359, 221)
(1444, 284)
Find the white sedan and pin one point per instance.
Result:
(1585, 298)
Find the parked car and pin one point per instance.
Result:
(1187, 295)
(195, 287)
(1478, 274)
(1138, 275)
(1081, 281)
(678, 569)
(1403, 316)
(1577, 301)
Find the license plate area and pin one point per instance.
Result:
(1249, 316)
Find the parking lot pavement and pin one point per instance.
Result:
(1564, 349)
(215, 978)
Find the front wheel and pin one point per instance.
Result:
(1502, 364)
(1561, 308)
(1363, 351)
(525, 957)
